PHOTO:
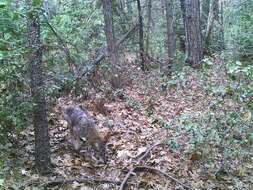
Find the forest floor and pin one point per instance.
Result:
(137, 124)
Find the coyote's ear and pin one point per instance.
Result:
(106, 137)
(81, 107)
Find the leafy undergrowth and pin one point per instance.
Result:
(138, 117)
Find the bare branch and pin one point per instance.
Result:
(147, 168)
(123, 184)
(104, 52)
(79, 180)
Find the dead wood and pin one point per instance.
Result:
(151, 169)
(123, 184)
(104, 52)
(127, 35)
(79, 180)
(148, 151)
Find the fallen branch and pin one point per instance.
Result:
(147, 168)
(123, 184)
(127, 35)
(104, 52)
(79, 180)
(148, 151)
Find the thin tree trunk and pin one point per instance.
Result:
(171, 35)
(181, 36)
(129, 7)
(121, 5)
(194, 50)
(182, 4)
(141, 38)
(222, 44)
(123, 17)
(111, 42)
(109, 30)
(42, 146)
(204, 12)
(163, 7)
(211, 17)
(149, 23)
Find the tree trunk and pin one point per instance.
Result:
(171, 35)
(194, 50)
(129, 7)
(111, 42)
(204, 12)
(141, 38)
(121, 4)
(181, 35)
(182, 4)
(163, 7)
(213, 13)
(42, 146)
(222, 43)
(149, 3)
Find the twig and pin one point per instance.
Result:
(148, 151)
(63, 42)
(127, 35)
(148, 168)
(104, 52)
(59, 181)
(122, 185)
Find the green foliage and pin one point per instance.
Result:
(75, 23)
(132, 102)
(224, 128)
(36, 2)
(14, 98)
(4, 164)
(238, 29)
(222, 131)
(77, 39)
(170, 81)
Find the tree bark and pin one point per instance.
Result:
(222, 43)
(182, 4)
(141, 38)
(109, 30)
(181, 36)
(149, 5)
(204, 11)
(194, 50)
(111, 42)
(129, 7)
(213, 13)
(42, 146)
(171, 35)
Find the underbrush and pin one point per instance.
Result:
(220, 136)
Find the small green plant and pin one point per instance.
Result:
(222, 133)
(133, 103)
(171, 141)
(176, 79)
